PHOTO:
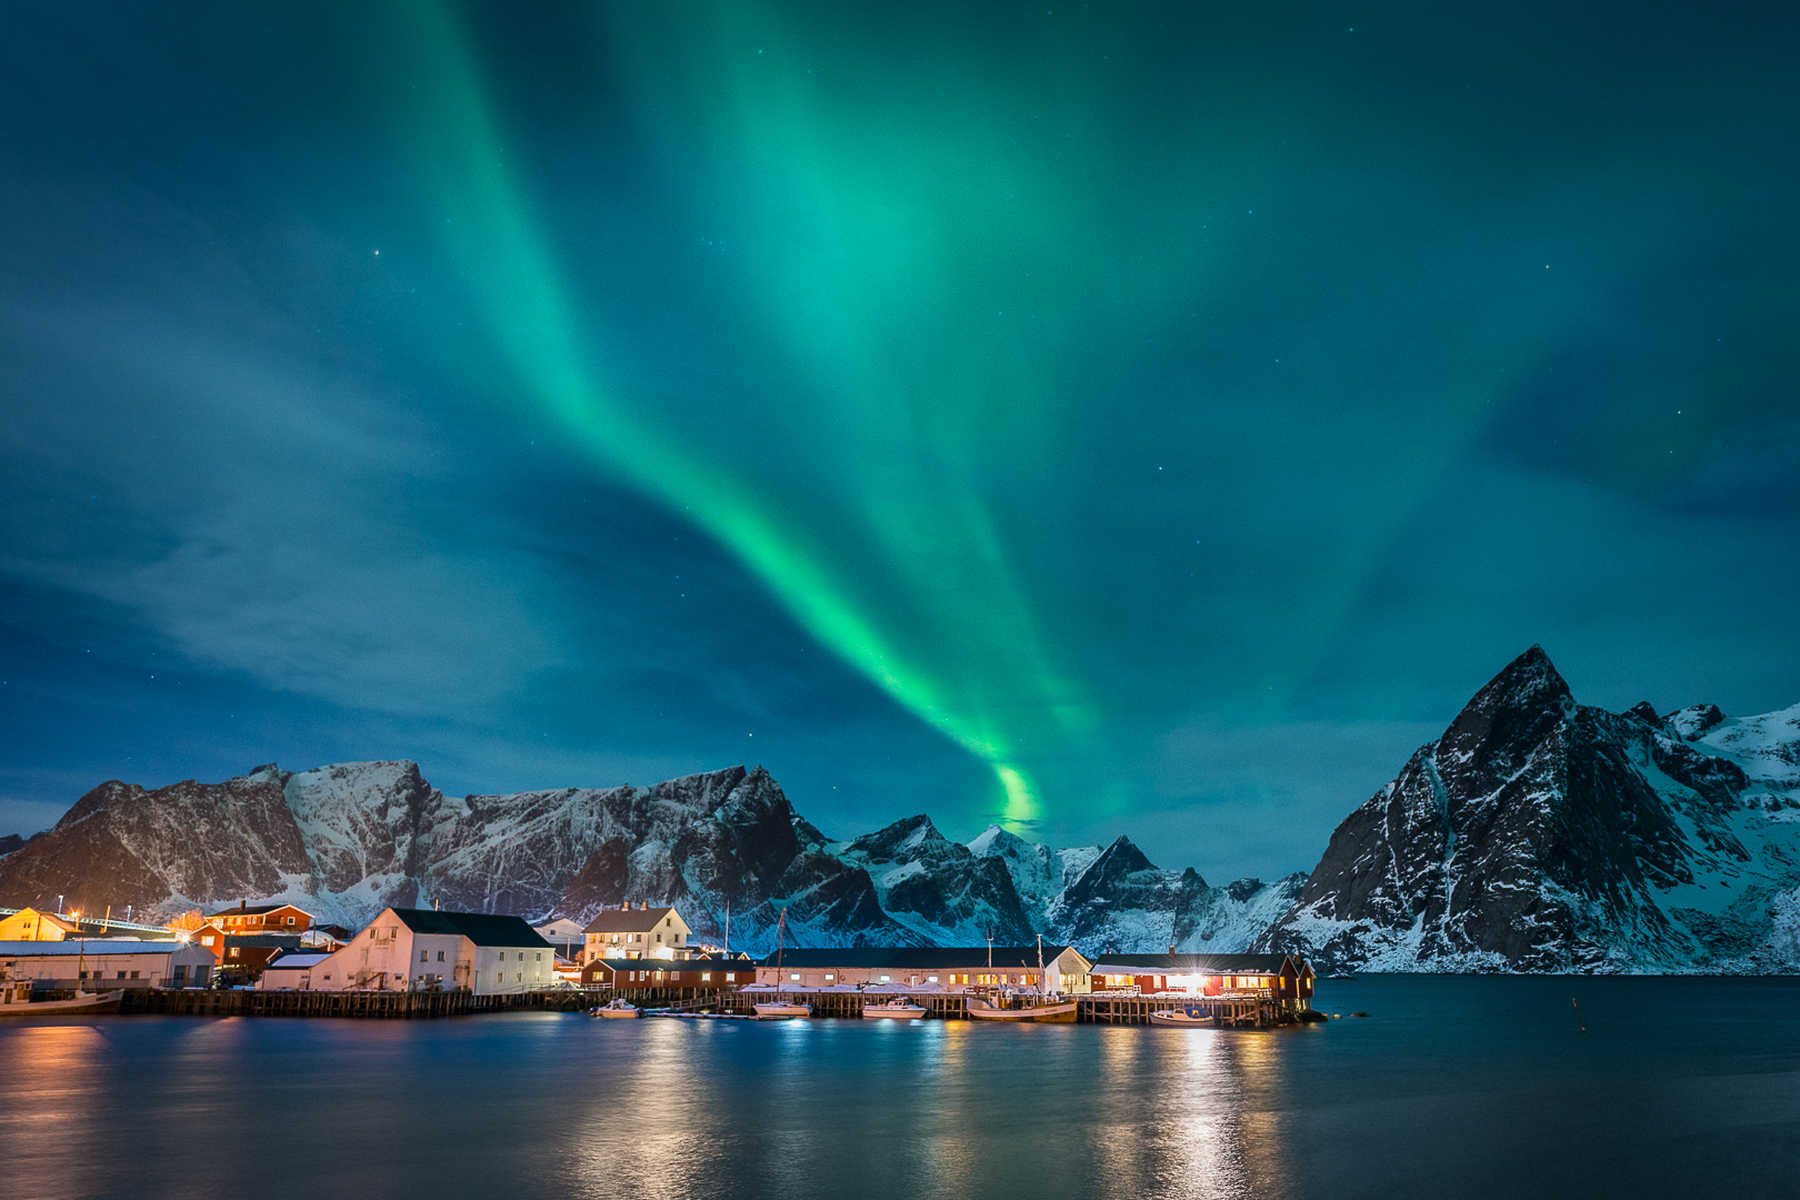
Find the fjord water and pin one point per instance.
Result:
(1453, 1086)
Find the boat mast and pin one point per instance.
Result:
(780, 939)
(1040, 979)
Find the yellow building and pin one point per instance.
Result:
(31, 925)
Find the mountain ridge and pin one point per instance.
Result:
(1534, 834)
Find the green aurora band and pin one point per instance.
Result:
(939, 258)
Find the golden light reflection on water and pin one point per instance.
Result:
(51, 1076)
(641, 1131)
(1201, 1124)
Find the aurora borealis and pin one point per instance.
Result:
(1147, 419)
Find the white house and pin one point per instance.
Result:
(565, 934)
(641, 932)
(290, 972)
(421, 949)
(104, 965)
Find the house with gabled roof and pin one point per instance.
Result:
(261, 918)
(1064, 969)
(1285, 978)
(643, 932)
(423, 949)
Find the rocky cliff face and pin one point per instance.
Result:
(1538, 834)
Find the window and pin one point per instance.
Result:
(424, 956)
(440, 956)
(705, 976)
(884, 979)
(290, 920)
(207, 940)
(134, 974)
(931, 979)
(731, 977)
(540, 956)
(659, 938)
(829, 977)
(121, 974)
(794, 978)
(234, 952)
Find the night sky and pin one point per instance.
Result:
(1102, 419)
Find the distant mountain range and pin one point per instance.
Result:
(1534, 835)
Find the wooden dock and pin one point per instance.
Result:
(1104, 1009)
(1241, 1012)
(194, 1002)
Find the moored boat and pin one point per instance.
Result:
(897, 1009)
(1190, 1018)
(617, 1009)
(980, 1008)
(16, 1001)
(781, 1010)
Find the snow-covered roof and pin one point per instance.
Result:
(631, 920)
(295, 962)
(253, 910)
(921, 958)
(1223, 964)
(90, 947)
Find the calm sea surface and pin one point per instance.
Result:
(1452, 1087)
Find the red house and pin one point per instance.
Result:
(1285, 978)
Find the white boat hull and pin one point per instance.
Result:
(87, 1002)
(1053, 1014)
(900, 1012)
(1181, 1018)
(776, 1011)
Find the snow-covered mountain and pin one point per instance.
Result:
(347, 839)
(1538, 834)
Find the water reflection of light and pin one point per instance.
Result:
(649, 1127)
(1189, 1112)
(52, 1077)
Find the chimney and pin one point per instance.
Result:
(643, 905)
(1171, 951)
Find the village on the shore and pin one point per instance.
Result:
(628, 960)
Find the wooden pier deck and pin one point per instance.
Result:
(1101, 1009)
(198, 1003)
(1105, 1009)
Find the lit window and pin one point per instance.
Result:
(705, 976)
(794, 978)
(931, 979)
(829, 977)
(884, 979)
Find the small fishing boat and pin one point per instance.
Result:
(982, 1009)
(900, 1010)
(779, 1009)
(1189, 1018)
(617, 1009)
(16, 1001)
